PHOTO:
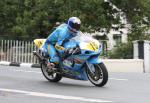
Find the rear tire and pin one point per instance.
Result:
(100, 76)
(54, 77)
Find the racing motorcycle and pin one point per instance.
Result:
(82, 64)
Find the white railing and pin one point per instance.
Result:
(17, 51)
(20, 51)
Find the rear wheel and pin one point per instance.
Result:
(52, 77)
(98, 74)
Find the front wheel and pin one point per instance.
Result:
(54, 77)
(98, 74)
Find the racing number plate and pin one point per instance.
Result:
(93, 46)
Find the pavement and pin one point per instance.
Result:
(28, 85)
(5, 63)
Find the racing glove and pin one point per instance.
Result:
(74, 50)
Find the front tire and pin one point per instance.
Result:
(54, 77)
(100, 75)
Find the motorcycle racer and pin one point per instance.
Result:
(54, 43)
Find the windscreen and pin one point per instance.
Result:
(83, 38)
(87, 42)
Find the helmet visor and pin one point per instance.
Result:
(74, 26)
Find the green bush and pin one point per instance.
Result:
(122, 51)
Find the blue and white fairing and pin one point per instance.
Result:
(89, 46)
(90, 51)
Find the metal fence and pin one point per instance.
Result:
(17, 51)
(21, 51)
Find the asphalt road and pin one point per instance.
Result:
(28, 85)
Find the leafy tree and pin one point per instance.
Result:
(36, 18)
(8, 12)
(138, 15)
(123, 51)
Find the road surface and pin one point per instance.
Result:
(28, 85)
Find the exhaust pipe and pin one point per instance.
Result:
(38, 56)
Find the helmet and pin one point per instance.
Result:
(74, 24)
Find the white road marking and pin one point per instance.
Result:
(27, 71)
(39, 94)
(119, 79)
(20, 70)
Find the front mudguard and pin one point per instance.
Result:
(91, 61)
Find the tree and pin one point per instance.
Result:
(36, 18)
(138, 15)
(8, 12)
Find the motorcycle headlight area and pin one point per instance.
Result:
(90, 46)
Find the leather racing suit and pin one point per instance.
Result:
(54, 43)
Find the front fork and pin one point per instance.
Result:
(90, 68)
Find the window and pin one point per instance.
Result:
(117, 39)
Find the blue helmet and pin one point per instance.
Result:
(74, 24)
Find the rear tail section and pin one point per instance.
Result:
(39, 42)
